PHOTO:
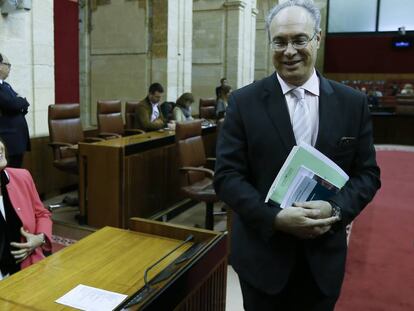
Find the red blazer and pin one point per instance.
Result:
(33, 215)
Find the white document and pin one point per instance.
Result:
(313, 160)
(88, 298)
(299, 190)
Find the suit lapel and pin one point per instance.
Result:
(276, 106)
(327, 105)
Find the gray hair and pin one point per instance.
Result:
(308, 5)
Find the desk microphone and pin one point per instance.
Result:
(188, 239)
(165, 274)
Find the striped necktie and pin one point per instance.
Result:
(301, 123)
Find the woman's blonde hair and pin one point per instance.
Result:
(186, 97)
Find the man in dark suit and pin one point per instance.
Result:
(223, 82)
(13, 126)
(293, 258)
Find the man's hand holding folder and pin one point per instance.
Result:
(306, 220)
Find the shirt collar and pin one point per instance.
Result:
(312, 85)
(1, 81)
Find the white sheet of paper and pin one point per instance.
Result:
(88, 298)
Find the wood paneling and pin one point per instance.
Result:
(115, 260)
(393, 129)
(48, 179)
(369, 76)
(134, 176)
(39, 161)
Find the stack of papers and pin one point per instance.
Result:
(306, 175)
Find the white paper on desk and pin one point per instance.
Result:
(88, 298)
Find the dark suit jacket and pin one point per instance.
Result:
(253, 144)
(13, 126)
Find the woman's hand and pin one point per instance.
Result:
(25, 249)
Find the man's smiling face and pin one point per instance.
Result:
(294, 23)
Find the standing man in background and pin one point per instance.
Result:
(293, 258)
(223, 82)
(13, 125)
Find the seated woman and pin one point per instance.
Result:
(182, 110)
(222, 101)
(25, 225)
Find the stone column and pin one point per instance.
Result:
(26, 38)
(263, 65)
(179, 51)
(171, 46)
(240, 41)
(136, 43)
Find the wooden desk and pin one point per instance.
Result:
(115, 259)
(133, 176)
(391, 128)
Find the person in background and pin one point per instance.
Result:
(221, 105)
(407, 90)
(293, 258)
(25, 225)
(377, 92)
(394, 89)
(182, 110)
(372, 98)
(223, 82)
(148, 115)
(13, 125)
(166, 109)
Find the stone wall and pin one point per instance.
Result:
(223, 44)
(26, 38)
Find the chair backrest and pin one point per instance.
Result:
(167, 110)
(64, 126)
(207, 108)
(130, 109)
(110, 117)
(190, 149)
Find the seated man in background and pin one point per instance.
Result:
(13, 126)
(182, 110)
(148, 114)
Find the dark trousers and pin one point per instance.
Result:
(300, 294)
(15, 160)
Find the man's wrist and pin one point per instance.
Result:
(336, 210)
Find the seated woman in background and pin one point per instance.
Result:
(25, 225)
(222, 101)
(182, 110)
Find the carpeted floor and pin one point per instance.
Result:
(380, 265)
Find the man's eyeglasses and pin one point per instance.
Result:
(298, 43)
(7, 64)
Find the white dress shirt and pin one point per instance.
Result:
(4, 216)
(311, 100)
(155, 112)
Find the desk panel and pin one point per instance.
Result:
(391, 128)
(133, 176)
(115, 259)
